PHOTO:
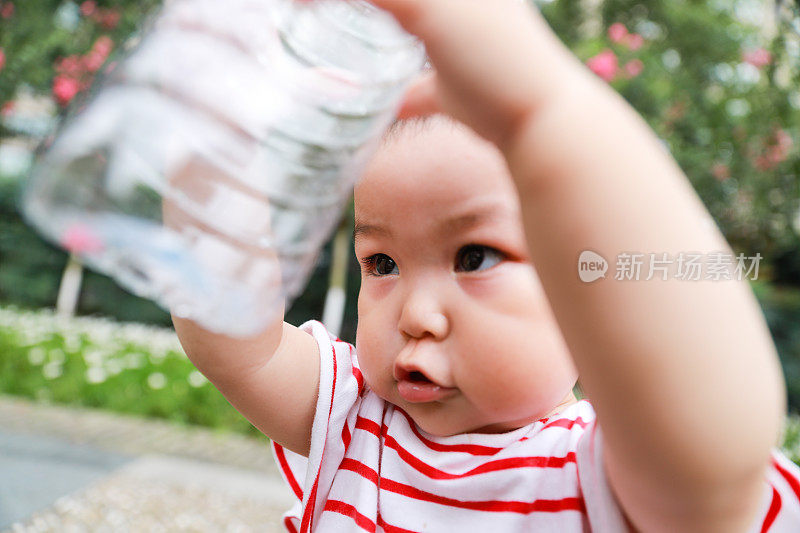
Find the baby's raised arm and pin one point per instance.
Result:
(683, 375)
(271, 378)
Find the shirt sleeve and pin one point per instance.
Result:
(605, 515)
(340, 388)
(779, 510)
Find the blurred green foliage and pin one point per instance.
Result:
(719, 84)
(781, 307)
(97, 363)
(791, 438)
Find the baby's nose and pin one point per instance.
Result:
(423, 315)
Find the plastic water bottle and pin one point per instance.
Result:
(215, 160)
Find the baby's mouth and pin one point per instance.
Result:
(418, 377)
(415, 387)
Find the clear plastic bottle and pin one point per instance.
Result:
(211, 166)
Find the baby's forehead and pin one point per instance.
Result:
(438, 159)
(437, 180)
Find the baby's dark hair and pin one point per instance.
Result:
(417, 125)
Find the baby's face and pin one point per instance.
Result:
(453, 325)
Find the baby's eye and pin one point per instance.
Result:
(476, 257)
(379, 265)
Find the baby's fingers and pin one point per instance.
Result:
(421, 98)
(405, 11)
(495, 61)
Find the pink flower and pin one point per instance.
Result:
(88, 8)
(8, 109)
(605, 64)
(79, 238)
(93, 61)
(783, 139)
(776, 151)
(634, 67)
(780, 148)
(108, 18)
(758, 58)
(617, 32)
(7, 11)
(2, 59)
(634, 41)
(71, 66)
(720, 171)
(65, 89)
(763, 163)
(103, 45)
(676, 111)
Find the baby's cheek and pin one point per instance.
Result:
(512, 293)
(503, 388)
(375, 367)
(519, 375)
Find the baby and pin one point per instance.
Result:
(455, 411)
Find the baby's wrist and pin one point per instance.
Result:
(549, 115)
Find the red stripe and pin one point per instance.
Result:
(305, 525)
(475, 449)
(491, 466)
(356, 371)
(289, 525)
(361, 469)
(287, 472)
(388, 528)
(348, 510)
(308, 512)
(360, 379)
(346, 436)
(790, 479)
(472, 449)
(368, 425)
(502, 464)
(566, 423)
(772, 513)
(500, 506)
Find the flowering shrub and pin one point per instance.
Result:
(128, 368)
(57, 47)
(720, 84)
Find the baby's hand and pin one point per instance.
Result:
(496, 62)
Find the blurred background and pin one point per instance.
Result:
(718, 81)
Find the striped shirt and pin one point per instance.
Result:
(370, 468)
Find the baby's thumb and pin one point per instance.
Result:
(421, 99)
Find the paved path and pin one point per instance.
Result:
(81, 470)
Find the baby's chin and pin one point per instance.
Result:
(446, 420)
(448, 429)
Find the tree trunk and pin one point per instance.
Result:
(70, 288)
(335, 299)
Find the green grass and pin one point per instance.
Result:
(128, 368)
